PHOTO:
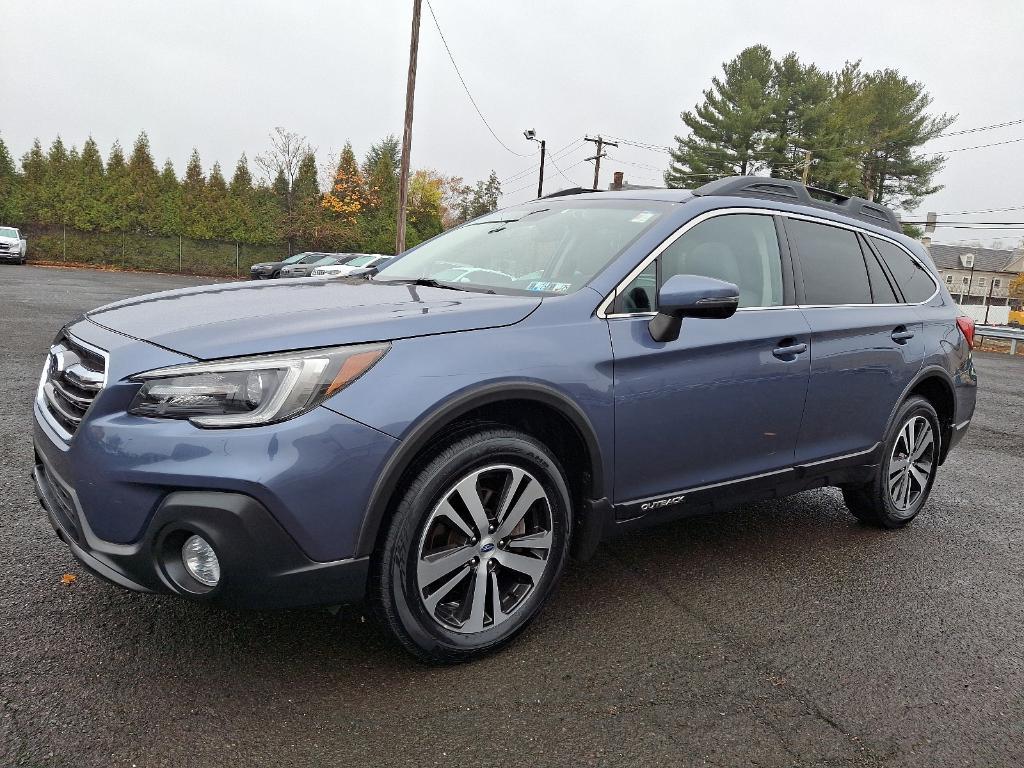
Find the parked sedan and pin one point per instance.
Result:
(305, 268)
(358, 264)
(271, 269)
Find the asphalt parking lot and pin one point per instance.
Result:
(782, 634)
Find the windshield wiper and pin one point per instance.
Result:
(429, 282)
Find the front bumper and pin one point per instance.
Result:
(10, 256)
(261, 565)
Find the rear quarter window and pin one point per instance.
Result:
(913, 279)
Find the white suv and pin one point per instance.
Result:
(12, 246)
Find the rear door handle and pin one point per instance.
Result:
(790, 351)
(901, 335)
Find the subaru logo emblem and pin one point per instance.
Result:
(488, 547)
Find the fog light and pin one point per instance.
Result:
(201, 561)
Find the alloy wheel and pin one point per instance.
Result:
(911, 462)
(484, 549)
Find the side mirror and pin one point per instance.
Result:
(691, 296)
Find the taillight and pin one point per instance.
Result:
(966, 326)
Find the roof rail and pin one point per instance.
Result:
(794, 192)
(571, 191)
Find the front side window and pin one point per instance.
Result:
(549, 247)
(831, 263)
(742, 249)
(913, 279)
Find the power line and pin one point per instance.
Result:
(985, 210)
(1007, 124)
(564, 152)
(527, 186)
(552, 159)
(466, 87)
(731, 154)
(979, 146)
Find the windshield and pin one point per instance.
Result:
(325, 261)
(295, 259)
(8, 232)
(548, 246)
(360, 261)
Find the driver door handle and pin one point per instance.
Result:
(789, 351)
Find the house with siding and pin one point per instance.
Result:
(978, 277)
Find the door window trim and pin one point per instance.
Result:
(604, 308)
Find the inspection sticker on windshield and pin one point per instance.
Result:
(549, 287)
(641, 217)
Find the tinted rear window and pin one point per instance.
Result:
(831, 263)
(912, 278)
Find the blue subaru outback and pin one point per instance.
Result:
(438, 437)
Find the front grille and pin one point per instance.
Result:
(74, 375)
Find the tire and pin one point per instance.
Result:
(900, 488)
(441, 607)
(275, 275)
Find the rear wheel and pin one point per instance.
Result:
(476, 545)
(905, 476)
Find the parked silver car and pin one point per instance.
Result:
(305, 268)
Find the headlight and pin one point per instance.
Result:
(247, 391)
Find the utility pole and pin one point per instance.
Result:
(988, 299)
(410, 92)
(601, 143)
(531, 135)
(807, 166)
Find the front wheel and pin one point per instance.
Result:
(905, 476)
(476, 545)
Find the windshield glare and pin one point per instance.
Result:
(550, 246)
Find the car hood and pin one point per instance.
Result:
(232, 319)
(9, 240)
(266, 264)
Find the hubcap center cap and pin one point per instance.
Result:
(487, 548)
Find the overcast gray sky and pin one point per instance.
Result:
(218, 75)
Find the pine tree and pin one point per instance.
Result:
(381, 171)
(217, 205)
(33, 185)
(195, 222)
(89, 188)
(800, 103)
(893, 171)
(727, 130)
(242, 199)
(348, 196)
(10, 193)
(169, 206)
(55, 198)
(143, 188)
(116, 193)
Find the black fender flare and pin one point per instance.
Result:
(928, 372)
(427, 427)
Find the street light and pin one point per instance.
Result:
(531, 135)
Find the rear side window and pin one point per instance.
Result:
(912, 278)
(831, 263)
(881, 289)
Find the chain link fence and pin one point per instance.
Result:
(154, 253)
